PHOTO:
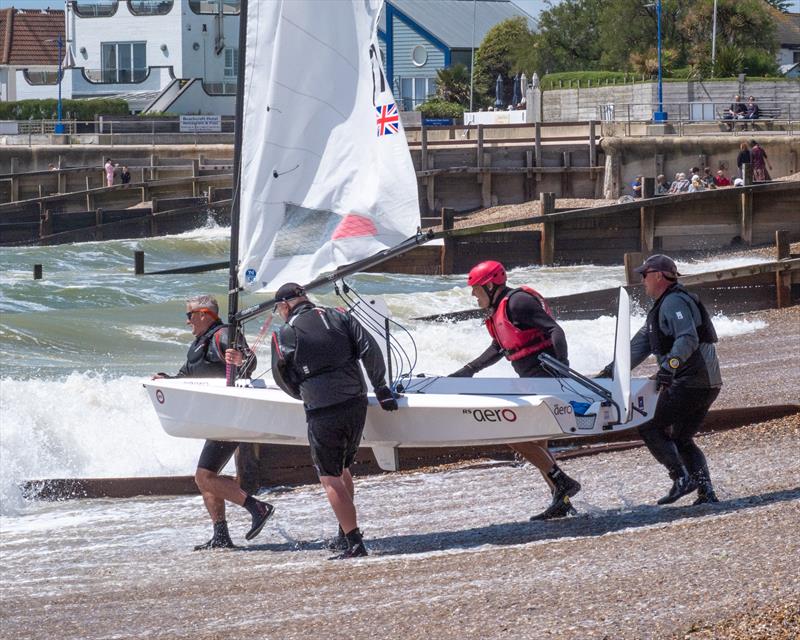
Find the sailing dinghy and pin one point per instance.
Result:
(326, 189)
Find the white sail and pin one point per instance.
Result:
(327, 177)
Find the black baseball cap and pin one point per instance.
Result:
(658, 262)
(289, 291)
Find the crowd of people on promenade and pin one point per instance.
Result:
(110, 170)
(695, 179)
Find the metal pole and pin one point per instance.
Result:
(233, 269)
(59, 125)
(472, 63)
(660, 115)
(714, 39)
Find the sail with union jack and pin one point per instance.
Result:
(325, 181)
(388, 119)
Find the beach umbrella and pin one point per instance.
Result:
(498, 91)
(523, 85)
(515, 91)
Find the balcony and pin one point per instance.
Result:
(150, 7)
(40, 78)
(220, 88)
(116, 76)
(229, 7)
(95, 8)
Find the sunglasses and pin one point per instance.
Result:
(646, 273)
(189, 314)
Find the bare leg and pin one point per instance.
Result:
(215, 490)
(341, 500)
(348, 483)
(538, 455)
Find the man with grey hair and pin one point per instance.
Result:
(208, 357)
(679, 332)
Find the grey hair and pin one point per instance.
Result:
(209, 302)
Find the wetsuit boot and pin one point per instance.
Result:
(339, 543)
(260, 511)
(356, 548)
(682, 483)
(705, 490)
(564, 488)
(220, 540)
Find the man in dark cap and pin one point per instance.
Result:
(680, 334)
(315, 358)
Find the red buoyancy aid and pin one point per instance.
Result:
(515, 342)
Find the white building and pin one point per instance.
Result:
(178, 56)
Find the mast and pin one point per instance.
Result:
(233, 273)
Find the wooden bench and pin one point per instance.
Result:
(766, 116)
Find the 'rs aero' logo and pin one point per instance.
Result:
(561, 409)
(491, 415)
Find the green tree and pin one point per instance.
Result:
(567, 40)
(452, 85)
(499, 55)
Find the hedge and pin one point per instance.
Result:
(441, 109)
(71, 109)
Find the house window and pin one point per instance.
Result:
(414, 91)
(231, 62)
(124, 62)
(419, 56)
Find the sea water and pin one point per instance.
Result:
(77, 344)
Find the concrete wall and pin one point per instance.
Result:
(640, 99)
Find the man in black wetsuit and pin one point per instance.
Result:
(522, 327)
(208, 357)
(315, 358)
(680, 334)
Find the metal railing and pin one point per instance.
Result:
(220, 88)
(212, 6)
(692, 111)
(40, 78)
(116, 76)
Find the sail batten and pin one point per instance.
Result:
(327, 178)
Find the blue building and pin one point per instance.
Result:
(419, 37)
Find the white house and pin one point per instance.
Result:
(179, 56)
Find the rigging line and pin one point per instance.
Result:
(311, 96)
(393, 339)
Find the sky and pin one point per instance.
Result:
(532, 7)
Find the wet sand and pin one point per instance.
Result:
(453, 553)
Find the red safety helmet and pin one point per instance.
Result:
(485, 272)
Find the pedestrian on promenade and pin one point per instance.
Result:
(743, 158)
(125, 175)
(315, 358)
(522, 326)
(721, 180)
(760, 162)
(209, 357)
(109, 167)
(680, 334)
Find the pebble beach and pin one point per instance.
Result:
(453, 554)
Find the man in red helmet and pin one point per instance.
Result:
(522, 327)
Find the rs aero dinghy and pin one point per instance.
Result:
(326, 188)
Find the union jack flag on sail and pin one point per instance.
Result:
(388, 119)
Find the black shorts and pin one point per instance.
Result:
(215, 455)
(334, 434)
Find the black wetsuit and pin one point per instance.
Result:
(315, 357)
(526, 312)
(206, 359)
(680, 334)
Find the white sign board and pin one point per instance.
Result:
(495, 117)
(9, 127)
(201, 124)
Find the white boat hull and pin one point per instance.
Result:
(434, 412)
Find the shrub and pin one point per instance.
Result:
(440, 109)
(74, 109)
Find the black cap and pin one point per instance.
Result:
(658, 262)
(289, 291)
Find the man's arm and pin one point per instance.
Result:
(526, 312)
(282, 352)
(640, 347)
(489, 357)
(368, 352)
(677, 319)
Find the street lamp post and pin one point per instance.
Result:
(59, 127)
(660, 115)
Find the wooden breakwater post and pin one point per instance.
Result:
(138, 263)
(631, 261)
(783, 279)
(449, 248)
(547, 206)
(647, 217)
(37, 272)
